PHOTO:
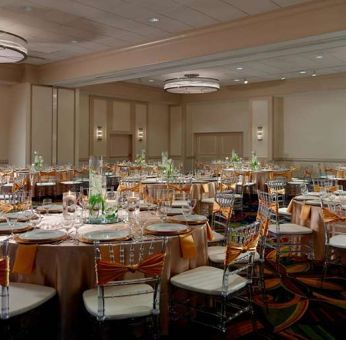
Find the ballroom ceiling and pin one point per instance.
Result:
(62, 29)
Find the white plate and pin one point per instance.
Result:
(71, 182)
(167, 228)
(317, 194)
(52, 208)
(302, 197)
(105, 235)
(174, 211)
(193, 219)
(16, 228)
(313, 202)
(42, 235)
(21, 215)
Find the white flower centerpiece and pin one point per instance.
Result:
(235, 160)
(168, 169)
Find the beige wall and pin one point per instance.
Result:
(261, 117)
(5, 105)
(314, 126)
(19, 125)
(158, 130)
(84, 127)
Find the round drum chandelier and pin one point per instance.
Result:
(13, 48)
(191, 83)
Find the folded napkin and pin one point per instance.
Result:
(187, 246)
(210, 234)
(24, 262)
(305, 212)
(290, 207)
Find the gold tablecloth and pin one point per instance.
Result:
(314, 222)
(70, 269)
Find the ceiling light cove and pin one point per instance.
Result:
(191, 83)
(13, 48)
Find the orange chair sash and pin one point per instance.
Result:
(225, 211)
(5, 207)
(136, 188)
(210, 235)
(234, 250)
(273, 206)
(4, 271)
(264, 221)
(277, 191)
(318, 188)
(111, 271)
(331, 217)
(286, 174)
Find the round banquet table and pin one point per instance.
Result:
(69, 267)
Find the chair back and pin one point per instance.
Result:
(134, 262)
(241, 241)
(324, 184)
(4, 280)
(278, 186)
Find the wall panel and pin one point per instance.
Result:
(65, 126)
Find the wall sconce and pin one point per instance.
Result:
(260, 133)
(99, 133)
(140, 134)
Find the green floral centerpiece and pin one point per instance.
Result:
(140, 158)
(97, 190)
(254, 163)
(37, 164)
(169, 171)
(234, 157)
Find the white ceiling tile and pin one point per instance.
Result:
(216, 9)
(285, 3)
(253, 7)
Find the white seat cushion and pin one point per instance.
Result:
(290, 229)
(207, 280)
(25, 297)
(338, 241)
(217, 254)
(217, 237)
(208, 200)
(135, 300)
(45, 184)
(179, 203)
(283, 211)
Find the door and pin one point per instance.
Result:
(217, 146)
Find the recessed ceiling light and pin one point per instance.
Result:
(151, 80)
(154, 19)
(246, 81)
(240, 68)
(283, 78)
(302, 72)
(314, 74)
(319, 57)
(236, 79)
(74, 41)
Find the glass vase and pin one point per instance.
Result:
(97, 188)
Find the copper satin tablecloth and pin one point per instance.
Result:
(70, 269)
(314, 222)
